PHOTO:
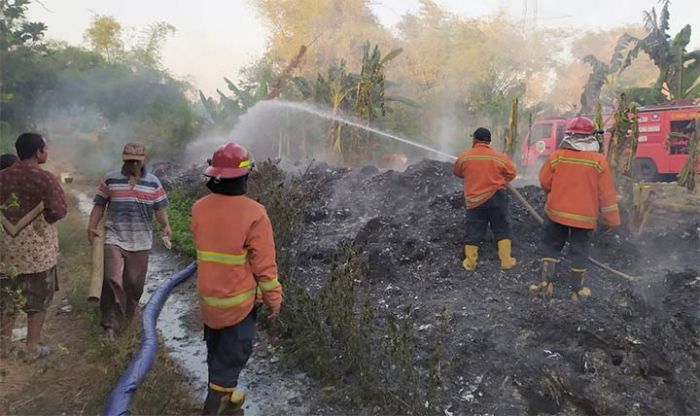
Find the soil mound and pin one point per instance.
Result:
(631, 348)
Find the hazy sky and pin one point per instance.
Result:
(215, 38)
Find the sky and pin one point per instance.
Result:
(216, 38)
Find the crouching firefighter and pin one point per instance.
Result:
(235, 262)
(486, 174)
(579, 185)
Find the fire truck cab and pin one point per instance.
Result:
(664, 136)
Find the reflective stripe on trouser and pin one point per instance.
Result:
(555, 235)
(228, 350)
(495, 213)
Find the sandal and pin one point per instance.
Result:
(41, 352)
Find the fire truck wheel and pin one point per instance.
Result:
(645, 169)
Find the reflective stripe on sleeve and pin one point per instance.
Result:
(609, 208)
(267, 285)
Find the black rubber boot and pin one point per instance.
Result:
(218, 403)
(578, 288)
(546, 285)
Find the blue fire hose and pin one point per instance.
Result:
(120, 398)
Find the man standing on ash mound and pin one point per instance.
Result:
(486, 174)
(579, 185)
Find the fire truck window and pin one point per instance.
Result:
(679, 139)
(560, 133)
(541, 131)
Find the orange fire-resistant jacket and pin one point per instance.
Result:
(235, 258)
(578, 186)
(485, 171)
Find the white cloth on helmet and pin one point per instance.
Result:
(582, 143)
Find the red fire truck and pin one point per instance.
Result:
(659, 155)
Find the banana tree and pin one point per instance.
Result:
(679, 70)
(361, 96)
(686, 177)
(370, 98)
(603, 72)
(600, 125)
(624, 137)
(225, 113)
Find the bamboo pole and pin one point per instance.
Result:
(98, 262)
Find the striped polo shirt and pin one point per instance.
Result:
(130, 209)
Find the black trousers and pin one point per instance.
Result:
(555, 235)
(228, 350)
(494, 212)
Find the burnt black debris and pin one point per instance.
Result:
(632, 348)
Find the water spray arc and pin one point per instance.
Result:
(353, 123)
(323, 113)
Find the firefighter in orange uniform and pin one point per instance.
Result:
(235, 261)
(579, 186)
(486, 174)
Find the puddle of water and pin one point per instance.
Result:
(187, 348)
(84, 202)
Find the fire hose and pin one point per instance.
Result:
(120, 398)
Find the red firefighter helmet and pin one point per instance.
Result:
(230, 160)
(580, 125)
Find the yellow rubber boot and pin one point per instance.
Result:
(471, 255)
(507, 262)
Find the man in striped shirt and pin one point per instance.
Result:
(130, 197)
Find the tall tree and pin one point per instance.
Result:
(331, 30)
(104, 36)
(149, 48)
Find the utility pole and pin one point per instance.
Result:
(529, 20)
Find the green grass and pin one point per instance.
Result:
(180, 215)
